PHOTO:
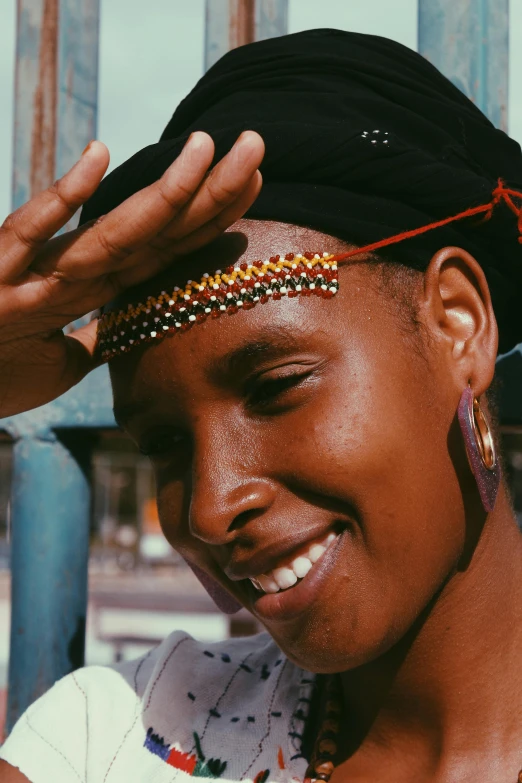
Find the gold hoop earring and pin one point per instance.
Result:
(484, 438)
(480, 448)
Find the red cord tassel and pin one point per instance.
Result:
(500, 193)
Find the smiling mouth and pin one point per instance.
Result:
(288, 574)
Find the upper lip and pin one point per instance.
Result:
(265, 560)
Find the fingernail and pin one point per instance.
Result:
(87, 148)
(242, 150)
(195, 141)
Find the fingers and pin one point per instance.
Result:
(104, 246)
(222, 221)
(147, 264)
(27, 229)
(222, 188)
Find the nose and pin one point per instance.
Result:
(227, 488)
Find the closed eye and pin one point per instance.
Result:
(274, 392)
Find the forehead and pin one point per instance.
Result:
(209, 360)
(276, 326)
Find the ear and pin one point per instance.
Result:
(458, 313)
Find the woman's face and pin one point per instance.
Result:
(303, 423)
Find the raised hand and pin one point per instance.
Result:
(47, 283)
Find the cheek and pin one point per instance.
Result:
(172, 508)
(378, 443)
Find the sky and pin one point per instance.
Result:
(151, 55)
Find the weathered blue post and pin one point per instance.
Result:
(468, 40)
(55, 117)
(231, 23)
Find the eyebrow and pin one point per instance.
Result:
(273, 344)
(269, 345)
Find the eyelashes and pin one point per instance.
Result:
(268, 392)
(262, 395)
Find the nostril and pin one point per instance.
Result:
(244, 517)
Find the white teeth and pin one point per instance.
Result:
(301, 566)
(287, 576)
(315, 552)
(284, 577)
(268, 584)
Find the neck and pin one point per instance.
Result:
(453, 687)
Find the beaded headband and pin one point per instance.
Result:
(243, 286)
(239, 287)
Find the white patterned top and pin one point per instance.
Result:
(233, 710)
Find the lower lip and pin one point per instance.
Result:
(289, 604)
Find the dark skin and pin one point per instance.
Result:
(337, 417)
(331, 417)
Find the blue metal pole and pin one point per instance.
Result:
(231, 23)
(468, 40)
(271, 18)
(49, 554)
(55, 117)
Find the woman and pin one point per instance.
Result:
(327, 462)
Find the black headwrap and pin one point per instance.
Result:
(364, 139)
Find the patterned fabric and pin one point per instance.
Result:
(233, 711)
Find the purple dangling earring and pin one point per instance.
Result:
(219, 595)
(480, 448)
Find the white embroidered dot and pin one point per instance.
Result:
(176, 288)
(219, 272)
(171, 302)
(283, 289)
(201, 288)
(182, 309)
(192, 318)
(374, 141)
(376, 131)
(256, 299)
(299, 288)
(247, 277)
(215, 286)
(134, 327)
(325, 254)
(177, 325)
(385, 141)
(131, 342)
(186, 296)
(208, 310)
(240, 303)
(115, 337)
(243, 290)
(145, 323)
(158, 306)
(168, 315)
(153, 334)
(142, 336)
(222, 307)
(333, 290)
(147, 310)
(312, 286)
(205, 275)
(165, 328)
(269, 292)
(324, 287)
(156, 320)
